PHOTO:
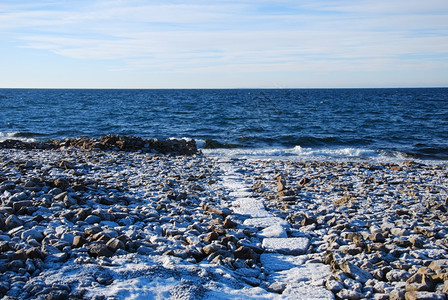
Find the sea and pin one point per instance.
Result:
(334, 124)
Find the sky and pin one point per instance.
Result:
(223, 44)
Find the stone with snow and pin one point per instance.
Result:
(301, 290)
(32, 234)
(262, 223)
(310, 273)
(356, 272)
(289, 246)
(251, 207)
(274, 231)
(273, 262)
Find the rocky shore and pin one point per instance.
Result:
(110, 142)
(102, 219)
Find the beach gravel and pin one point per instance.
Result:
(84, 222)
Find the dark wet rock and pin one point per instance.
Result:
(57, 295)
(229, 223)
(4, 246)
(110, 142)
(114, 244)
(7, 185)
(78, 241)
(211, 236)
(245, 252)
(13, 221)
(17, 205)
(97, 249)
(34, 253)
(377, 237)
(92, 219)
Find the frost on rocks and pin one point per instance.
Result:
(273, 231)
(261, 223)
(251, 207)
(274, 262)
(288, 246)
(303, 291)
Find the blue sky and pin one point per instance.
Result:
(223, 44)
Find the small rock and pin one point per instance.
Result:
(97, 249)
(277, 287)
(115, 244)
(78, 241)
(377, 237)
(350, 295)
(424, 296)
(420, 282)
(32, 234)
(12, 222)
(397, 275)
(92, 219)
(334, 286)
(228, 223)
(244, 252)
(356, 273)
(34, 253)
(20, 204)
(60, 196)
(211, 248)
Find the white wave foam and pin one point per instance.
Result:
(14, 136)
(300, 153)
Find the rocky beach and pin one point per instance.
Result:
(127, 218)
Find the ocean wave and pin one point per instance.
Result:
(23, 136)
(304, 153)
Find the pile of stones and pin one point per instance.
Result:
(382, 227)
(111, 142)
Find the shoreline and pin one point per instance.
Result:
(77, 223)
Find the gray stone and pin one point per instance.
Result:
(97, 249)
(78, 241)
(334, 286)
(277, 287)
(92, 219)
(424, 296)
(12, 222)
(115, 244)
(32, 234)
(349, 295)
(397, 275)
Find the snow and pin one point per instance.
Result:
(288, 246)
(265, 222)
(149, 274)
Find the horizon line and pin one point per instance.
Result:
(215, 88)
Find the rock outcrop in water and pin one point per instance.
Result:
(111, 142)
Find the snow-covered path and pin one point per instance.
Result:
(284, 260)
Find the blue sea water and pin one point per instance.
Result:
(406, 123)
